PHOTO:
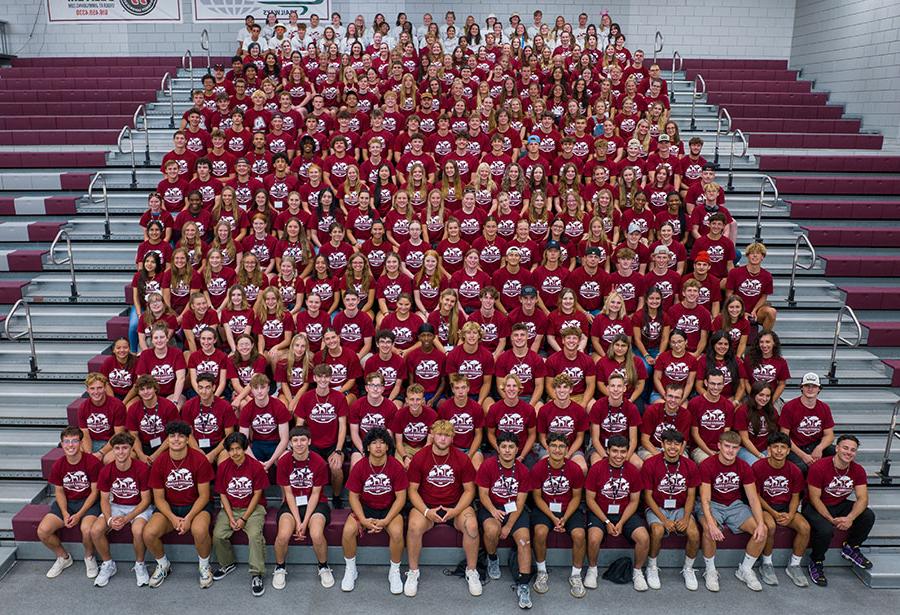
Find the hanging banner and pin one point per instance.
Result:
(121, 11)
(236, 10)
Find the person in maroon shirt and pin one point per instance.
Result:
(534, 319)
(241, 481)
(828, 508)
(147, 418)
(377, 496)
(512, 414)
(467, 417)
(441, 490)
(667, 414)
(165, 364)
(578, 365)
(754, 284)
(372, 410)
(670, 491)
(302, 474)
(556, 488)
(265, 421)
(411, 424)
(763, 362)
(100, 416)
(74, 477)
(563, 416)
(614, 415)
(779, 484)
(125, 499)
(808, 422)
(503, 485)
(473, 361)
(211, 419)
(613, 494)
(691, 318)
(721, 480)
(712, 414)
(324, 412)
(425, 365)
(719, 247)
(180, 479)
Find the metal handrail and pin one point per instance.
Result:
(795, 264)
(204, 45)
(722, 112)
(697, 93)
(127, 130)
(68, 260)
(675, 56)
(29, 331)
(885, 472)
(162, 86)
(832, 371)
(187, 63)
(736, 134)
(98, 178)
(766, 179)
(142, 111)
(4, 38)
(658, 44)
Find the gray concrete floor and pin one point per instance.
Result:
(25, 589)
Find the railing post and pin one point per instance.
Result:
(737, 133)
(885, 472)
(104, 199)
(762, 193)
(204, 44)
(657, 45)
(162, 87)
(187, 63)
(696, 94)
(29, 331)
(142, 109)
(675, 56)
(722, 111)
(70, 260)
(796, 263)
(127, 130)
(832, 371)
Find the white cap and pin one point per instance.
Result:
(810, 378)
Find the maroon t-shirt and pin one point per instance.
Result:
(503, 484)
(529, 368)
(569, 421)
(772, 370)
(426, 368)
(263, 422)
(208, 423)
(414, 429)
(711, 419)
(321, 414)
(467, 420)
(441, 478)
(605, 329)
(749, 287)
(670, 481)
(75, 479)
(655, 421)
(742, 422)
(163, 370)
(353, 330)
(577, 369)
(121, 378)
(180, 479)
(392, 369)
(556, 485)
(517, 419)
(614, 420)
(589, 288)
(835, 485)
(672, 369)
(150, 423)
(693, 321)
(239, 482)
(631, 288)
(805, 426)
(613, 486)
(124, 486)
(474, 366)
(368, 417)
(101, 421)
(777, 487)
(377, 486)
(302, 476)
(725, 480)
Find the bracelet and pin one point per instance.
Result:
(109, 521)
(425, 514)
(608, 521)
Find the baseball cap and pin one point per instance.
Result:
(552, 245)
(280, 25)
(634, 227)
(810, 378)
(219, 67)
(661, 250)
(702, 257)
(425, 328)
(593, 250)
(664, 138)
(534, 139)
(528, 291)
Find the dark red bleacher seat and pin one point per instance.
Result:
(117, 327)
(11, 290)
(873, 297)
(854, 265)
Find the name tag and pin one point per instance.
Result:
(669, 503)
(555, 507)
(155, 441)
(204, 443)
(510, 507)
(613, 509)
(278, 204)
(301, 500)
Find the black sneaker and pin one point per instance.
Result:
(337, 502)
(817, 573)
(854, 555)
(223, 571)
(257, 587)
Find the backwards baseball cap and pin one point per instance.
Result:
(534, 139)
(664, 138)
(592, 251)
(425, 328)
(552, 244)
(661, 249)
(528, 291)
(219, 67)
(810, 378)
(634, 227)
(702, 257)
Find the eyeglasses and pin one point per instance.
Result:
(71, 441)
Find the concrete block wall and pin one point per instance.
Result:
(696, 28)
(852, 49)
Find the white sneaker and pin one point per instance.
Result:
(107, 569)
(748, 577)
(326, 577)
(638, 580)
(590, 578)
(206, 577)
(278, 578)
(712, 580)
(411, 587)
(140, 574)
(653, 577)
(348, 582)
(59, 565)
(91, 567)
(474, 582)
(395, 581)
(690, 579)
(159, 575)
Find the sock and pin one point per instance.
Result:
(204, 562)
(767, 559)
(710, 562)
(748, 562)
(541, 566)
(279, 566)
(323, 565)
(162, 561)
(592, 569)
(688, 562)
(492, 557)
(523, 578)
(350, 562)
(795, 559)
(576, 571)
(395, 566)
(88, 558)
(651, 562)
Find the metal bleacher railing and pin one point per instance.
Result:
(29, 331)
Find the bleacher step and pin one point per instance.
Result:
(7, 559)
(885, 572)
